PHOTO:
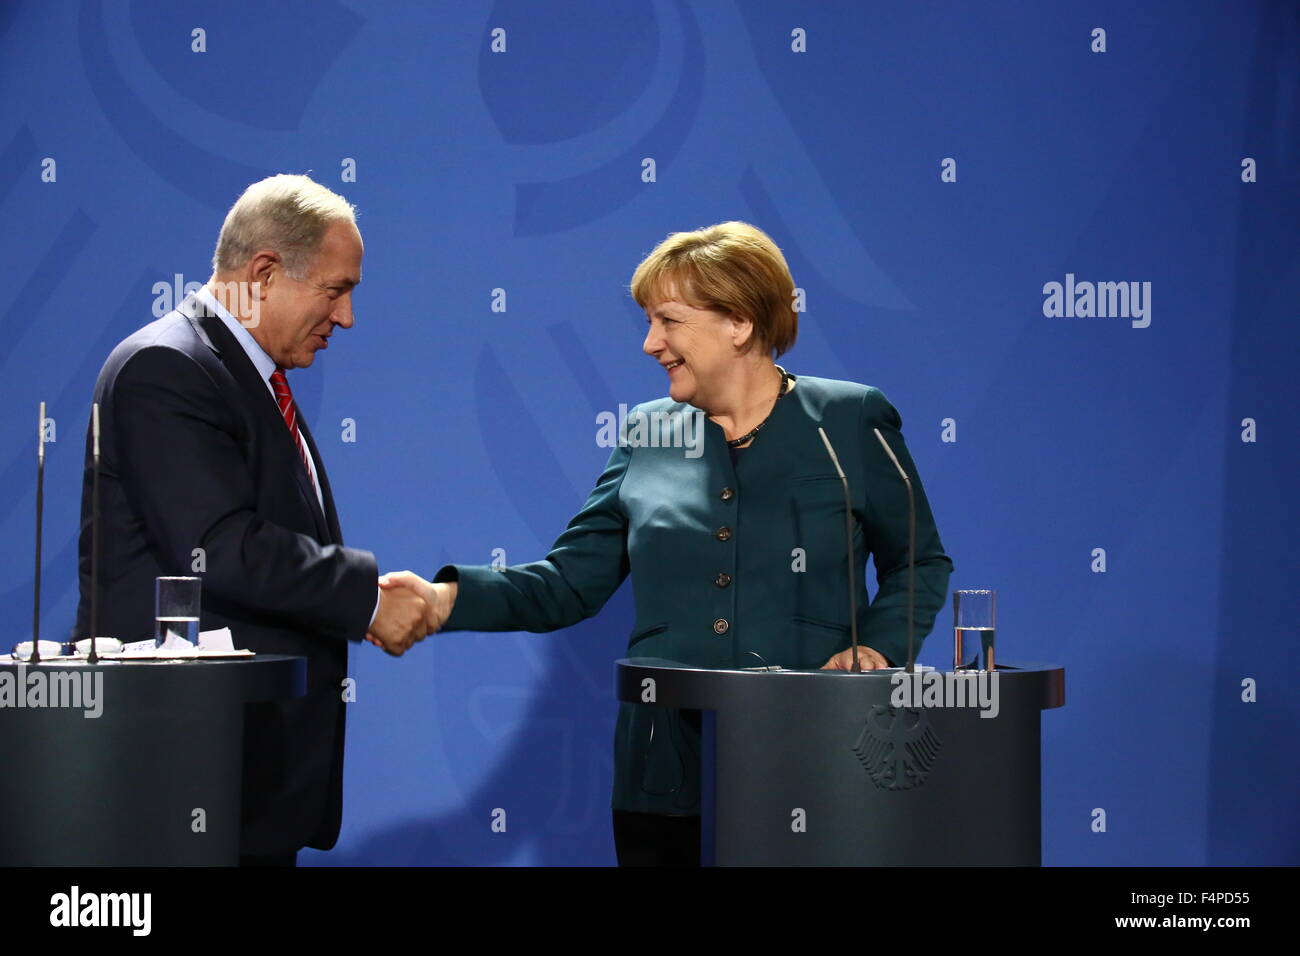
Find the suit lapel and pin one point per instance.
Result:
(200, 318)
(331, 515)
(261, 404)
(304, 480)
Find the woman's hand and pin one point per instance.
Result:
(868, 660)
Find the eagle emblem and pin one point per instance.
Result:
(897, 747)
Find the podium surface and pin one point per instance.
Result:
(153, 780)
(817, 768)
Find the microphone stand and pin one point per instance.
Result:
(911, 552)
(93, 657)
(848, 540)
(35, 656)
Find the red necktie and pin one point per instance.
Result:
(284, 398)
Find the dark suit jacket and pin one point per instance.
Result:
(731, 565)
(194, 454)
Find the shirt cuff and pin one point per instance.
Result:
(375, 613)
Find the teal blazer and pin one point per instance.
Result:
(731, 566)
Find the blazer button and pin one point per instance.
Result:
(727, 494)
(723, 533)
(722, 580)
(720, 626)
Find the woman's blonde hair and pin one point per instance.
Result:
(733, 268)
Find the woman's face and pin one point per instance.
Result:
(696, 347)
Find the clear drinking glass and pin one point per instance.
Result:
(177, 602)
(974, 618)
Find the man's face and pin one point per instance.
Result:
(299, 315)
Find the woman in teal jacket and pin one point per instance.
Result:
(722, 503)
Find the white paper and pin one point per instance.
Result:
(218, 640)
(175, 643)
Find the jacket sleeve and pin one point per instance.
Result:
(583, 570)
(883, 625)
(179, 457)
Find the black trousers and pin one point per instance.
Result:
(649, 839)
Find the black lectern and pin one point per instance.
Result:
(817, 768)
(153, 780)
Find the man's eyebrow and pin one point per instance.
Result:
(346, 281)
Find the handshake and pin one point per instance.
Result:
(410, 609)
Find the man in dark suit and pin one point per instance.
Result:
(207, 469)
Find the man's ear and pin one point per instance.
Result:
(263, 269)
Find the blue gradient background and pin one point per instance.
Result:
(476, 430)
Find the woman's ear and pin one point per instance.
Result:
(742, 330)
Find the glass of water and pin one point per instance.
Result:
(177, 602)
(975, 621)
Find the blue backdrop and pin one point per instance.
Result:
(928, 168)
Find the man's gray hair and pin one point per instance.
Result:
(287, 214)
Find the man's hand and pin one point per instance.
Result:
(400, 621)
(868, 660)
(437, 599)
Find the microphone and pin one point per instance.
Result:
(35, 657)
(911, 551)
(93, 658)
(848, 541)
